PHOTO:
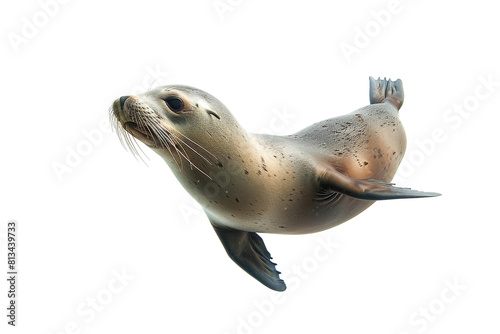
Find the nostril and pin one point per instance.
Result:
(122, 101)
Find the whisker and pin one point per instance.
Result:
(165, 140)
(185, 157)
(183, 150)
(192, 141)
(192, 149)
(163, 137)
(126, 139)
(168, 134)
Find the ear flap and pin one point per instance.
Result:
(213, 113)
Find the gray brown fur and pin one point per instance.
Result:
(306, 182)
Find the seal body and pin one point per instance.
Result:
(306, 182)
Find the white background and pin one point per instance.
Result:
(111, 213)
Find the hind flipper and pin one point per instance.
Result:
(382, 90)
(333, 180)
(248, 250)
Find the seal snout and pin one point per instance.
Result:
(123, 99)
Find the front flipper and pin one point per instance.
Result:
(332, 179)
(247, 249)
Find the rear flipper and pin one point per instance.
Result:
(248, 250)
(382, 90)
(335, 181)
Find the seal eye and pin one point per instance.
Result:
(175, 104)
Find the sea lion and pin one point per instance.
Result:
(306, 182)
